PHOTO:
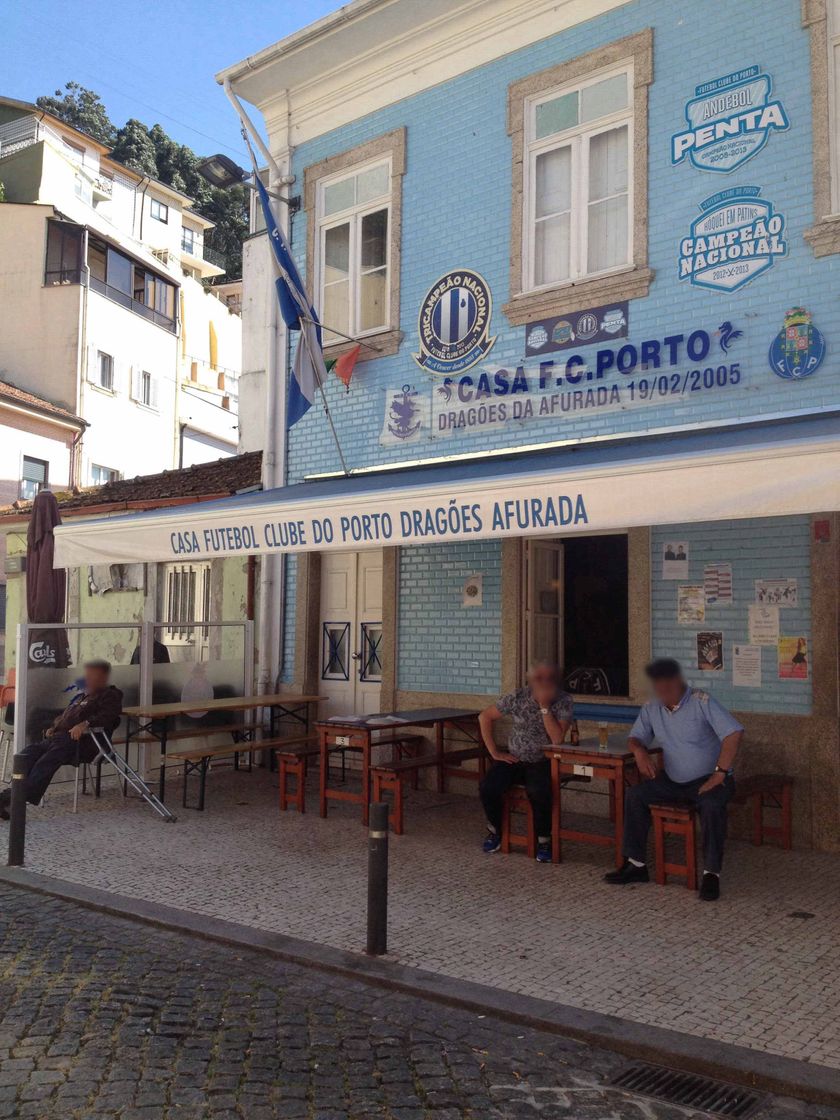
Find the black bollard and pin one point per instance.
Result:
(17, 812)
(377, 908)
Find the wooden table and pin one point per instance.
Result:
(357, 734)
(614, 764)
(154, 720)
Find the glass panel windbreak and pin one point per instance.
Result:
(335, 651)
(213, 666)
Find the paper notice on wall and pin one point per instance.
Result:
(777, 592)
(793, 659)
(675, 560)
(746, 666)
(472, 592)
(717, 583)
(710, 651)
(764, 625)
(691, 604)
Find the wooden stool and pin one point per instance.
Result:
(674, 820)
(390, 781)
(768, 791)
(291, 765)
(516, 801)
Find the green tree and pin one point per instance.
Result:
(2, 193)
(133, 146)
(81, 108)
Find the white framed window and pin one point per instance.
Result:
(188, 239)
(186, 604)
(34, 476)
(159, 210)
(144, 388)
(578, 195)
(100, 475)
(103, 374)
(353, 250)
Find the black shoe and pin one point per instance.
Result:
(5, 802)
(628, 873)
(709, 887)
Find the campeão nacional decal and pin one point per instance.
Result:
(454, 323)
(729, 121)
(798, 349)
(738, 237)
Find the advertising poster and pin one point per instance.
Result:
(764, 625)
(675, 560)
(793, 659)
(777, 592)
(746, 666)
(717, 583)
(710, 651)
(691, 605)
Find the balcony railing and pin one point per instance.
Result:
(127, 301)
(196, 248)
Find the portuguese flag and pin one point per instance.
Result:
(343, 367)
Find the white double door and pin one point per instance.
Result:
(351, 632)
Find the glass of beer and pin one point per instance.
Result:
(603, 736)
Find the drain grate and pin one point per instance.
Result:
(688, 1090)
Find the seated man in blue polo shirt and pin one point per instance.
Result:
(699, 740)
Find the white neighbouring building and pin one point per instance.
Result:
(104, 313)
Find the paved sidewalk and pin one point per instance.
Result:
(106, 1018)
(759, 969)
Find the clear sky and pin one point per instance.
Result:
(153, 60)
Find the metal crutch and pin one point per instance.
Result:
(106, 752)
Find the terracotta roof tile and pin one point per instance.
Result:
(20, 397)
(206, 480)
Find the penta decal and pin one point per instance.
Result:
(729, 121)
(454, 323)
(798, 349)
(737, 238)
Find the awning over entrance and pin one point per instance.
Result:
(767, 469)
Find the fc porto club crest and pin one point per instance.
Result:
(729, 121)
(798, 349)
(738, 237)
(454, 323)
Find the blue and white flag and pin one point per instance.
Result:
(308, 369)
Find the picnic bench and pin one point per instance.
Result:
(391, 777)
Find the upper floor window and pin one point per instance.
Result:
(188, 239)
(159, 210)
(353, 219)
(104, 371)
(64, 253)
(578, 178)
(144, 388)
(579, 213)
(99, 476)
(34, 477)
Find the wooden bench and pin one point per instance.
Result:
(768, 791)
(292, 762)
(200, 758)
(675, 820)
(390, 777)
(517, 801)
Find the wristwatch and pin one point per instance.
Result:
(727, 773)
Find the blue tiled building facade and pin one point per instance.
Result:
(713, 307)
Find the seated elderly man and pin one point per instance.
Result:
(541, 715)
(699, 740)
(99, 704)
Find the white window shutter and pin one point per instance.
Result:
(92, 371)
(135, 374)
(153, 394)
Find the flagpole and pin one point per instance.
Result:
(349, 337)
(308, 344)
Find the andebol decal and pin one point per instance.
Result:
(454, 323)
(798, 349)
(729, 121)
(738, 237)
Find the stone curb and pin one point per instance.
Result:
(754, 1068)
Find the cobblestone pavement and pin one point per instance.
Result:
(102, 1017)
(759, 969)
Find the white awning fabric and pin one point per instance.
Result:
(766, 470)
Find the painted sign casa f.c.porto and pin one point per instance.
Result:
(737, 237)
(729, 120)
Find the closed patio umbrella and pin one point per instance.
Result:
(46, 586)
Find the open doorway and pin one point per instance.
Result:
(576, 610)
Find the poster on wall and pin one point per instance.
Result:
(746, 666)
(717, 584)
(764, 625)
(793, 658)
(578, 328)
(472, 592)
(675, 560)
(710, 651)
(777, 592)
(691, 604)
